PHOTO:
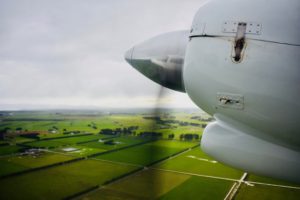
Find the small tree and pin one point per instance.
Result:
(181, 136)
(171, 136)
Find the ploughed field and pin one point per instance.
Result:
(88, 155)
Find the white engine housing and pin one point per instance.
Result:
(258, 95)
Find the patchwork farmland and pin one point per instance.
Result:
(120, 155)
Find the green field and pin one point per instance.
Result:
(93, 123)
(119, 142)
(199, 188)
(37, 161)
(195, 161)
(267, 192)
(20, 139)
(18, 163)
(67, 123)
(270, 180)
(148, 153)
(148, 184)
(165, 164)
(95, 147)
(60, 182)
(81, 151)
(155, 184)
(9, 149)
(64, 141)
(9, 167)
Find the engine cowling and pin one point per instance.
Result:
(240, 62)
(242, 66)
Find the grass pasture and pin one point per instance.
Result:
(46, 144)
(52, 143)
(9, 167)
(94, 147)
(44, 124)
(38, 161)
(199, 188)
(20, 139)
(81, 151)
(156, 184)
(119, 142)
(148, 153)
(262, 179)
(267, 192)
(61, 181)
(148, 184)
(9, 149)
(12, 164)
(195, 161)
(188, 175)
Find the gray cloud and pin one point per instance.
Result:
(73, 49)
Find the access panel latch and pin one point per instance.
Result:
(239, 42)
(227, 100)
(240, 29)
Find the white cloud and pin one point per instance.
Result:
(71, 52)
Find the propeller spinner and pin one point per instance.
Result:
(161, 58)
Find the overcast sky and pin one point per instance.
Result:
(66, 53)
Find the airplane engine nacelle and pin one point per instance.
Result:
(240, 62)
(242, 66)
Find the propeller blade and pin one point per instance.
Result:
(157, 115)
